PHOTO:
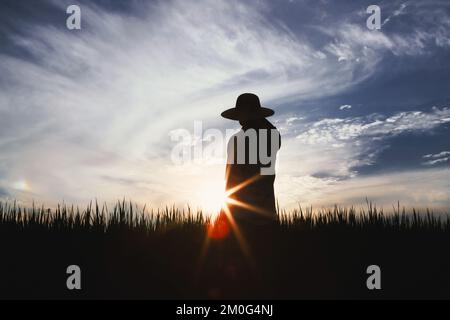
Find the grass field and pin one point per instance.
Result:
(125, 252)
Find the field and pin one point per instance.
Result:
(127, 253)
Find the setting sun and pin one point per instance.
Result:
(212, 197)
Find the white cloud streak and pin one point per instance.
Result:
(436, 158)
(345, 107)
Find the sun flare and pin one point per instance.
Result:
(212, 197)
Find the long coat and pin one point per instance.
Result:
(252, 192)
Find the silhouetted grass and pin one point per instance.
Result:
(130, 252)
(126, 215)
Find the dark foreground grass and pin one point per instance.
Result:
(129, 253)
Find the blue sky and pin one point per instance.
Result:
(89, 113)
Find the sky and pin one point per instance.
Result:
(92, 113)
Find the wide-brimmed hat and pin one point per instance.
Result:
(247, 107)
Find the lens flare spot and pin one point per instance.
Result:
(219, 228)
(21, 185)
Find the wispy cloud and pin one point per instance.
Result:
(329, 131)
(401, 10)
(345, 107)
(437, 155)
(436, 161)
(436, 158)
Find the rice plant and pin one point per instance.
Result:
(126, 215)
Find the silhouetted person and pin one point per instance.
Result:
(251, 156)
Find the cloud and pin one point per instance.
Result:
(397, 12)
(419, 29)
(354, 42)
(330, 150)
(329, 131)
(418, 189)
(436, 161)
(345, 107)
(437, 158)
(437, 155)
(3, 193)
(291, 120)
